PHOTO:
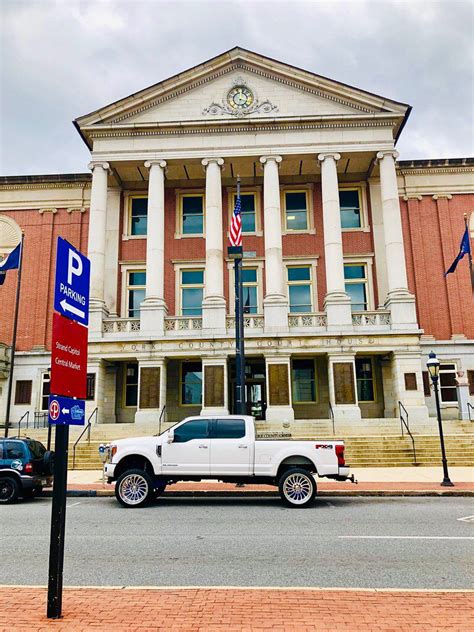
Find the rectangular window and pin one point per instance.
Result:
(138, 215)
(304, 381)
(250, 286)
(365, 379)
(131, 384)
(470, 377)
(426, 384)
(136, 285)
(45, 391)
(296, 210)
(194, 429)
(90, 387)
(23, 391)
(192, 287)
(349, 201)
(247, 212)
(355, 276)
(447, 383)
(299, 289)
(228, 429)
(191, 384)
(192, 213)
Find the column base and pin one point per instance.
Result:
(219, 410)
(402, 310)
(337, 306)
(97, 313)
(275, 311)
(148, 417)
(346, 412)
(214, 315)
(152, 318)
(279, 413)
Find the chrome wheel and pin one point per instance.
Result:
(133, 489)
(9, 490)
(298, 488)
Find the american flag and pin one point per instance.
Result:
(235, 232)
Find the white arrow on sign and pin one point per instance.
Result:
(65, 411)
(70, 308)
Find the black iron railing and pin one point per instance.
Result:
(27, 415)
(404, 423)
(87, 429)
(469, 408)
(331, 416)
(161, 418)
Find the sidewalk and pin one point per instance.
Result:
(407, 481)
(125, 609)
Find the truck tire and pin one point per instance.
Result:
(297, 487)
(9, 489)
(134, 488)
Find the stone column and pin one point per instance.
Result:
(399, 300)
(151, 392)
(462, 391)
(215, 391)
(279, 399)
(213, 306)
(96, 246)
(343, 387)
(153, 309)
(275, 303)
(337, 303)
(401, 388)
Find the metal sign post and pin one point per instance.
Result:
(68, 382)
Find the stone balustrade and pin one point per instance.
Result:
(307, 321)
(121, 325)
(379, 319)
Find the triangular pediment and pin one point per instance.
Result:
(214, 92)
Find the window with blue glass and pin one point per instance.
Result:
(138, 215)
(136, 286)
(355, 276)
(192, 287)
(192, 214)
(247, 212)
(296, 210)
(191, 383)
(299, 289)
(249, 287)
(304, 380)
(349, 201)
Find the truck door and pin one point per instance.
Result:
(231, 448)
(189, 453)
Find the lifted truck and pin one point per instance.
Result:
(223, 448)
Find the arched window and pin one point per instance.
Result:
(10, 235)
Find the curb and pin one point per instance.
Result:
(106, 493)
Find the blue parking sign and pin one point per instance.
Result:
(66, 411)
(71, 288)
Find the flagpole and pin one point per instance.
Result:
(239, 332)
(15, 328)
(466, 223)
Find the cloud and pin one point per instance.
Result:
(64, 58)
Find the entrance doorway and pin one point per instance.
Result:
(255, 387)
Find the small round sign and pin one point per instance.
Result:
(54, 410)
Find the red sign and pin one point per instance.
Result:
(54, 410)
(69, 358)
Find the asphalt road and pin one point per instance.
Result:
(340, 542)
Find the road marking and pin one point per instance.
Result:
(74, 504)
(330, 505)
(467, 519)
(404, 537)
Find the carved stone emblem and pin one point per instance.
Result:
(240, 101)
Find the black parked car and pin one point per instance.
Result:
(25, 468)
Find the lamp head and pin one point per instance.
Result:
(433, 366)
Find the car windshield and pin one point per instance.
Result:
(37, 449)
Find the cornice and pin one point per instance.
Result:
(430, 170)
(252, 70)
(45, 185)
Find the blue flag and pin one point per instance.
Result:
(10, 263)
(464, 249)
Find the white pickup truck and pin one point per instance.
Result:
(223, 448)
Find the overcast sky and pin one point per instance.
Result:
(64, 58)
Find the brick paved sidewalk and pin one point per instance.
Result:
(239, 610)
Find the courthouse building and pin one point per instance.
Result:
(345, 249)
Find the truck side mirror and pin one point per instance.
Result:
(170, 437)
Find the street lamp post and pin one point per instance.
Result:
(433, 368)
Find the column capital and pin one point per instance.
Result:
(207, 161)
(155, 162)
(387, 152)
(329, 154)
(98, 163)
(274, 158)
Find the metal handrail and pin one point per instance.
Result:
(27, 415)
(401, 408)
(469, 408)
(331, 415)
(87, 428)
(162, 414)
(40, 416)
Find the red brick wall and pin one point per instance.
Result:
(432, 232)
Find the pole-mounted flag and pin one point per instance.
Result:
(464, 249)
(11, 262)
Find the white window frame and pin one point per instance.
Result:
(257, 192)
(125, 270)
(180, 194)
(40, 393)
(303, 262)
(127, 214)
(246, 263)
(441, 362)
(294, 188)
(367, 261)
(361, 187)
(198, 264)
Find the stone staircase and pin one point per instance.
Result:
(375, 443)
